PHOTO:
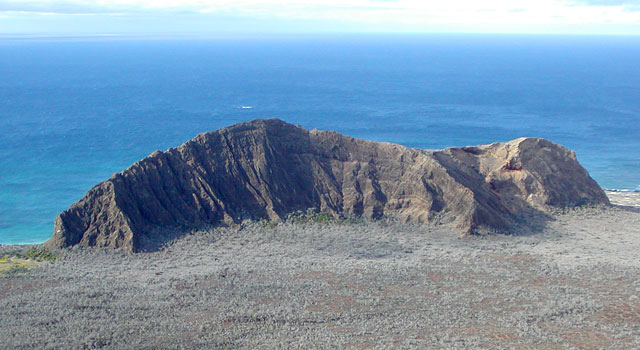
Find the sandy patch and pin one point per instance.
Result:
(631, 199)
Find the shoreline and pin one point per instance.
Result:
(624, 198)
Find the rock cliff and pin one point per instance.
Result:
(266, 169)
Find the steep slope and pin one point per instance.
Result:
(266, 169)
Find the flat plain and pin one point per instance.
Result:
(571, 284)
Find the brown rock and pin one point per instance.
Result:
(266, 169)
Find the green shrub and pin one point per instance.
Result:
(321, 218)
(313, 217)
(269, 224)
(40, 254)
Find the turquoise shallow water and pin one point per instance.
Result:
(72, 112)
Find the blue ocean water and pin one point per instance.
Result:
(72, 112)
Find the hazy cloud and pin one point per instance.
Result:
(102, 7)
(195, 6)
(627, 5)
(372, 15)
(63, 7)
(302, 7)
(608, 2)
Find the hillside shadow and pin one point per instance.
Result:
(629, 208)
(158, 239)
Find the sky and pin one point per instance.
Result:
(256, 17)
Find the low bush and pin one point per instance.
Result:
(40, 254)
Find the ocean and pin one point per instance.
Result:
(75, 110)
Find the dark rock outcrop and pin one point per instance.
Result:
(266, 169)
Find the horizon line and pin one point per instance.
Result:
(245, 35)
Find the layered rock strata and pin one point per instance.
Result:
(267, 169)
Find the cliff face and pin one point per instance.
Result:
(266, 169)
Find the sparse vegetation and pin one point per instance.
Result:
(269, 224)
(40, 254)
(313, 217)
(377, 284)
(13, 265)
(15, 268)
(19, 261)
